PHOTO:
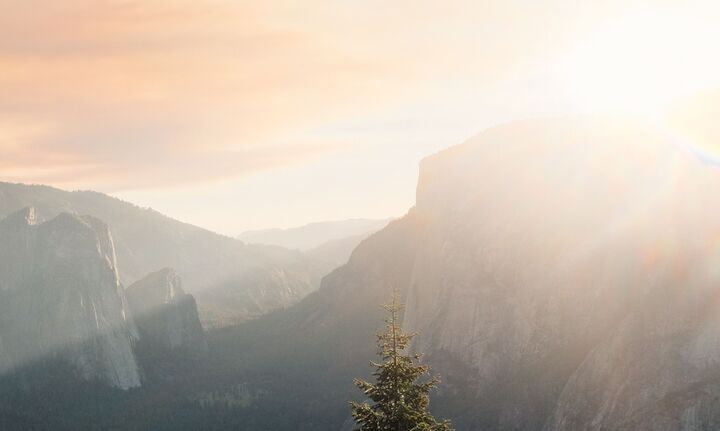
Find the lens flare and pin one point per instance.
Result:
(642, 61)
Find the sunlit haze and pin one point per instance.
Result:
(244, 115)
(307, 215)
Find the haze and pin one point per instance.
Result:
(246, 115)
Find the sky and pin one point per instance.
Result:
(237, 115)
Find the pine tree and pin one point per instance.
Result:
(399, 401)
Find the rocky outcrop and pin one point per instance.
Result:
(60, 297)
(166, 317)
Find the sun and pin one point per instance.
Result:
(639, 62)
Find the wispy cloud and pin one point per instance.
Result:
(125, 94)
(129, 94)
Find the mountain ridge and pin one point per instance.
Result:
(146, 240)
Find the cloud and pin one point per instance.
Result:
(131, 94)
(121, 94)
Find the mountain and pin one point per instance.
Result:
(314, 234)
(561, 274)
(60, 297)
(165, 315)
(78, 351)
(146, 240)
(523, 279)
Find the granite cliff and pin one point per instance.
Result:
(60, 296)
(576, 288)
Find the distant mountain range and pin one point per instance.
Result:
(314, 235)
(211, 265)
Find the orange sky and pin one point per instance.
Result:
(236, 115)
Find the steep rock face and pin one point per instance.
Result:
(60, 297)
(660, 368)
(546, 255)
(165, 315)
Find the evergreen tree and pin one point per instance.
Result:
(399, 401)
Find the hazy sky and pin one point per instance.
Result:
(236, 115)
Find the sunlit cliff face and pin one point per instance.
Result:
(588, 242)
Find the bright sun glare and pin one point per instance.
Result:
(639, 62)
